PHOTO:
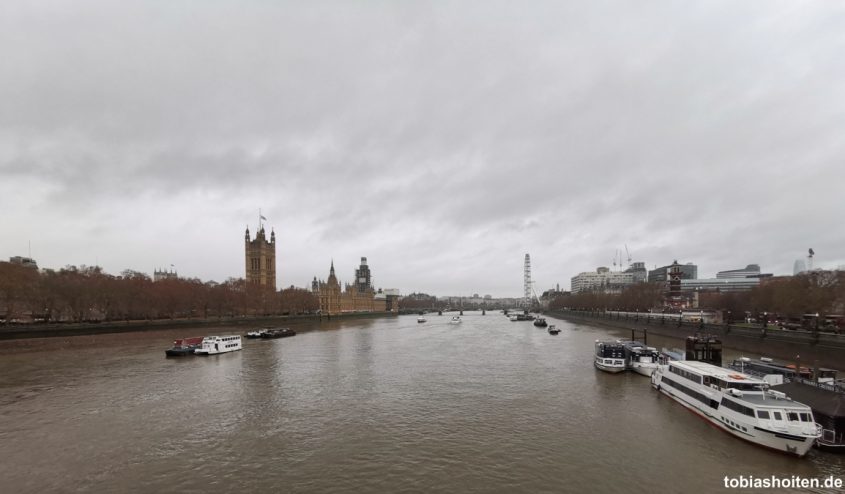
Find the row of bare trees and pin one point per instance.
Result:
(80, 294)
(820, 292)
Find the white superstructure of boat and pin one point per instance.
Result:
(455, 320)
(739, 404)
(641, 358)
(212, 345)
(610, 356)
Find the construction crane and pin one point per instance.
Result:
(628, 254)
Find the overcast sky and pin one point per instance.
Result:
(443, 141)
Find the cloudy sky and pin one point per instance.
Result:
(442, 140)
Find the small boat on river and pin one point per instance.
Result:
(553, 329)
(610, 356)
(455, 320)
(540, 322)
(184, 347)
(277, 333)
(420, 319)
(256, 333)
(212, 345)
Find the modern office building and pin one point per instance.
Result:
(24, 261)
(688, 271)
(602, 280)
(639, 272)
(750, 271)
(720, 284)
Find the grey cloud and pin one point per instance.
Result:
(443, 141)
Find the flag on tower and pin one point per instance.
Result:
(262, 217)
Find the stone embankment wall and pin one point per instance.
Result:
(14, 332)
(785, 345)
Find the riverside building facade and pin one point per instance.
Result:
(688, 271)
(602, 280)
(356, 297)
(260, 258)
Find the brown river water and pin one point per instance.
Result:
(365, 405)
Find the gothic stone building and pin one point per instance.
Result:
(357, 297)
(261, 258)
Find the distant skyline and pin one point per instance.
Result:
(442, 141)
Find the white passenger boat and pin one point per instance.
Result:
(256, 333)
(212, 345)
(641, 358)
(610, 356)
(420, 319)
(455, 320)
(740, 405)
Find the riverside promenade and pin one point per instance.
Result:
(808, 347)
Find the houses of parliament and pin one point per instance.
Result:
(260, 266)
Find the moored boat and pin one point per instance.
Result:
(610, 356)
(828, 405)
(277, 333)
(739, 404)
(183, 347)
(768, 369)
(641, 358)
(212, 345)
(816, 387)
(256, 333)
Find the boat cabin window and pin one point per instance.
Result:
(805, 417)
(792, 416)
(737, 407)
(763, 414)
(686, 374)
(777, 415)
(746, 386)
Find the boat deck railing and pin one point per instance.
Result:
(837, 388)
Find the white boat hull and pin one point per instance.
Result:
(213, 352)
(748, 430)
(612, 368)
(645, 369)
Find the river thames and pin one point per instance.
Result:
(360, 405)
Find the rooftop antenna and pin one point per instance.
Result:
(615, 255)
(810, 259)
